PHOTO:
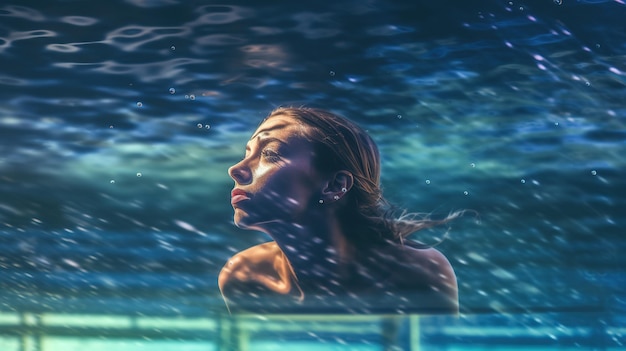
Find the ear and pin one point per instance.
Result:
(336, 184)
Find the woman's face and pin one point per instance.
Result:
(276, 180)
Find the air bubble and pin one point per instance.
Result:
(139, 174)
(139, 104)
(206, 126)
(427, 181)
(172, 91)
(332, 73)
(192, 97)
(112, 181)
(172, 48)
(558, 2)
(466, 192)
(199, 125)
(588, 83)
(473, 165)
(523, 181)
(399, 116)
(594, 172)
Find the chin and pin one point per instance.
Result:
(241, 225)
(246, 221)
(242, 220)
(239, 219)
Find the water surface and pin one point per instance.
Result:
(119, 120)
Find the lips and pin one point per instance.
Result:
(238, 195)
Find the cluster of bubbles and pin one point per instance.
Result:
(139, 175)
(205, 126)
(171, 91)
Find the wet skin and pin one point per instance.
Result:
(277, 191)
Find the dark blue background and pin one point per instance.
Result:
(113, 189)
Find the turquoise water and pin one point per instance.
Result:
(119, 120)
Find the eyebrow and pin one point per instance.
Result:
(265, 130)
(266, 141)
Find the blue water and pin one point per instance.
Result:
(119, 119)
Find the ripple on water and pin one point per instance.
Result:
(79, 20)
(208, 43)
(220, 14)
(7, 42)
(152, 3)
(22, 12)
(147, 72)
(141, 35)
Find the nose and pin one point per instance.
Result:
(240, 173)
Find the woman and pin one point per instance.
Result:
(311, 180)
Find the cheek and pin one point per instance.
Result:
(297, 196)
(262, 172)
(290, 191)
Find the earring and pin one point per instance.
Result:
(343, 190)
(321, 201)
(336, 197)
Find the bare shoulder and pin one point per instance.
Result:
(245, 265)
(428, 257)
(425, 275)
(431, 257)
(412, 266)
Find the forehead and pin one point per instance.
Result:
(282, 126)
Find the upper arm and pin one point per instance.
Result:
(432, 268)
(445, 278)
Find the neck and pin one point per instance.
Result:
(317, 250)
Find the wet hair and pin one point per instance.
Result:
(340, 144)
